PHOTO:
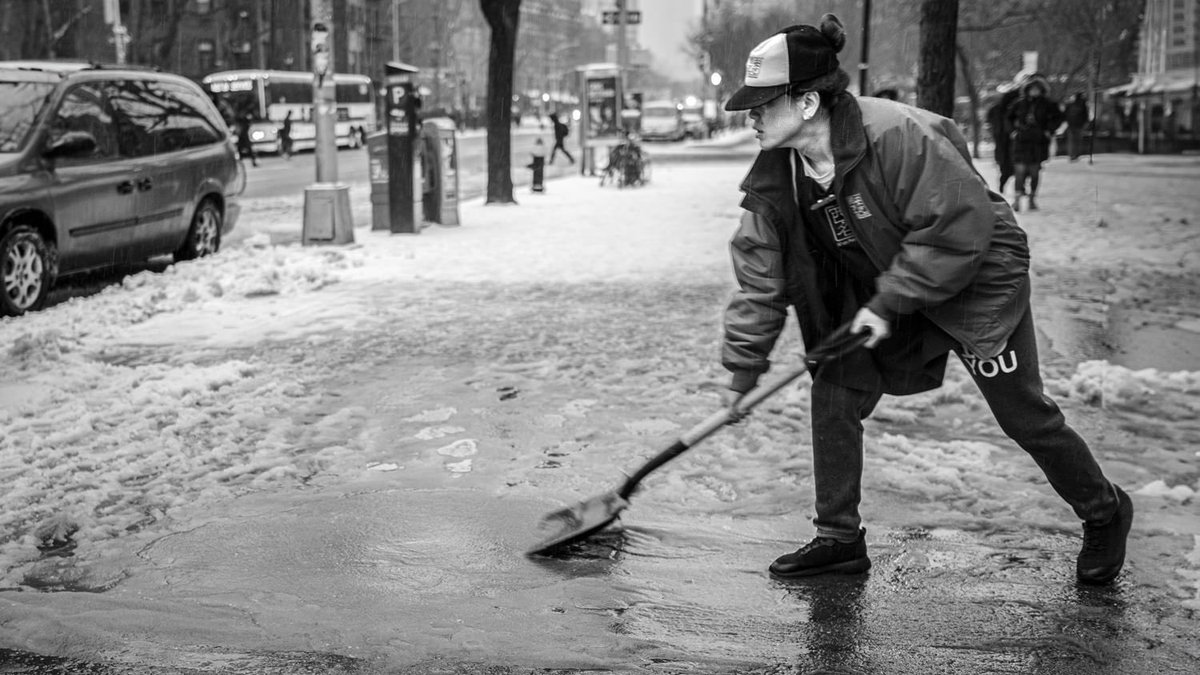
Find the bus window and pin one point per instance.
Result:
(353, 92)
(279, 91)
(234, 99)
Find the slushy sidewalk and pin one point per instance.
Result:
(330, 459)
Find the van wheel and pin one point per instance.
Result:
(27, 265)
(204, 236)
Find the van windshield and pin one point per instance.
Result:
(656, 111)
(20, 105)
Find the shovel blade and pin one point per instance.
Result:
(577, 522)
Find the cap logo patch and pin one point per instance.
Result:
(753, 67)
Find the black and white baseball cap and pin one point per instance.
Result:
(791, 57)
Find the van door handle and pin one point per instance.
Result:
(125, 187)
(145, 184)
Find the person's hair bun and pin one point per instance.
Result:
(834, 31)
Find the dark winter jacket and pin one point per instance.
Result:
(1033, 121)
(561, 130)
(945, 246)
(997, 117)
(1076, 113)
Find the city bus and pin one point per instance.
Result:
(266, 96)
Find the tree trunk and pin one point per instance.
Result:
(502, 16)
(50, 46)
(964, 62)
(935, 74)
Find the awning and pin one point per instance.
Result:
(1160, 83)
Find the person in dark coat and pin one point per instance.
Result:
(245, 146)
(1076, 116)
(868, 212)
(1033, 117)
(285, 136)
(997, 117)
(561, 130)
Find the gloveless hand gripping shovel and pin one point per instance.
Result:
(577, 522)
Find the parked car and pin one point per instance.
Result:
(695, 124)
(102, 166)
(661, 121)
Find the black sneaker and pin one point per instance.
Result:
(1103, 553)
(824, 555)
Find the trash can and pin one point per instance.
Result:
(327, 217)
(439, 170)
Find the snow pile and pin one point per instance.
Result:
(95, 447)
(1159, 488)
(1103, 384)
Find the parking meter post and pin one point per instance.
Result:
(327, 217)
(402, 109)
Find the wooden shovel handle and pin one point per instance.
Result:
(838, 343)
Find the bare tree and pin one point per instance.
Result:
(31, 30)
(968, 73)
(731, 31)
(1088, 38)
(503, 16)
(935, 74)
(154, 27)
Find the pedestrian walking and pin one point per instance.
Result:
(997, 117)
(561, 131)
(245, 147)
(869, 212)
(1033, 117)
(537, 164)
(285, 136)
(1076, 116)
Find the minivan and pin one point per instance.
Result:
(103, 166)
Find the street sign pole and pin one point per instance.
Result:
(120, 35)
(327, 216)
(622, 47)
(866, 49)
(324, 108)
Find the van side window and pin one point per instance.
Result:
(155, 117)
(203, 122)
(83, 109)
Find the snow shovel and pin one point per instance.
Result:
(575, 523)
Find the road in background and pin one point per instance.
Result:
(276, 177)
(279, 177)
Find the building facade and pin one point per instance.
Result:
(448, 40)
(1161, 106)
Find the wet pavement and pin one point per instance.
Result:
(372, 578)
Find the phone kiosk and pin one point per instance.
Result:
(439, 170)
(601, 126)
